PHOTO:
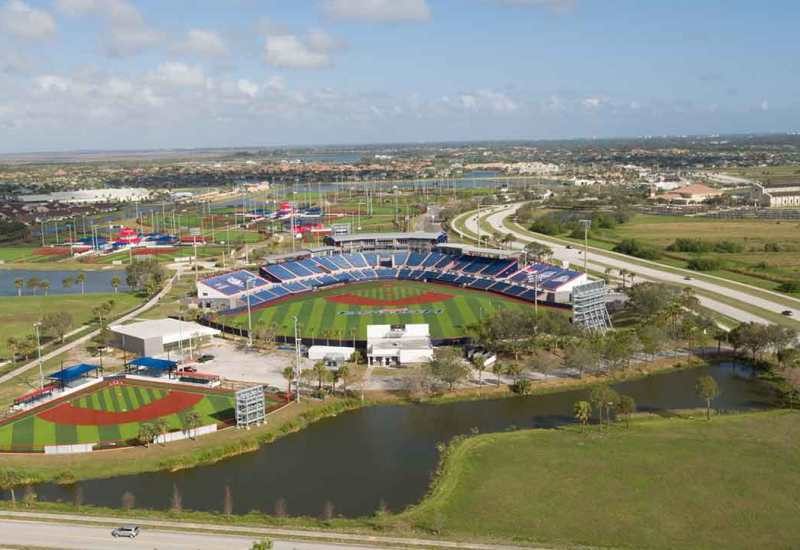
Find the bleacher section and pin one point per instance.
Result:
(499, 275)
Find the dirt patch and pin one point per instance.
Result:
(171, 403)
(356, 300)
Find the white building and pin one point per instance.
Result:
(91, 196)
(332, 356)
(394, 345)
(161, 336)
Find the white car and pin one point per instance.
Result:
(130, 531)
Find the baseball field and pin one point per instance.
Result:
(112, 414)
(345, 312)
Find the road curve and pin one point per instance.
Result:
(599, 262)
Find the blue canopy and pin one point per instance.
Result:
(153, 363)
(72, 373)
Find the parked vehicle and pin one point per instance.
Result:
(130, 531)
(205, 358)
(787, 312)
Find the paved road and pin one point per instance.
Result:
(599, 262)
(86, 337)
(49, 530)
(84, 537)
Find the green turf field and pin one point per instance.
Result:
(321, 318)
(33, 433)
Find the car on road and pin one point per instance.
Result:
(569, 246)
(189, 368)
(787, 312)
(205, 358)
(130, 531)
(687, 278)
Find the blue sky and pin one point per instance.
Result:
(121, 74)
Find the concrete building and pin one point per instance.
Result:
(779, 195)
(396, 345)
(91, 196)
(418, 240)
(690, 194)
(161, 337)
(333, 356)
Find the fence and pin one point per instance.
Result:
(185, 434)
(69, 449)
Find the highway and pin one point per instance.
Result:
(600, 260)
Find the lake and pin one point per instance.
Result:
(96, 281)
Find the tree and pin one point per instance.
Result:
(56, 324)
(479, 361)
(147, 433)
(448, 367)
(33, 283)
(538, 251)
(81, 280)
(115, 282)
(648, 300)
(626, 406)
(706, 389)
(263, 544)
(191, 421)
(498, 369)
(354, 375)
(619, 346)
(45, 285)
(604, 400)
(161, 427)
(19, 283)
(12, 343)
(176, 503)
(653, 339)
(67, 282)
(321, 373)
(227, 501)
(581, 357)
(288, 375)
(145, 275)
(583, 412)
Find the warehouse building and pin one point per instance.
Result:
(161, 337)
(397, 345)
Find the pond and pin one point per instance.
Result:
(96, 281)
(385, 455)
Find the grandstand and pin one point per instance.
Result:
(381, 241)
(502, 274)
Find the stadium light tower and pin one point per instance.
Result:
(586, 225)
(297, 362)
(36, 327)
(248, 285)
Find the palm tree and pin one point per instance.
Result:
(81, 279)
(115, 282)
(497, 370)
(161, 426)
(19, 283)
(321, 372)
(288, 374)
(67, 282)
(33, 283)
(480, 365)
(191, 422)
(12, 343)
(45, 285)
(583, 412)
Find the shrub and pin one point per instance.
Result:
(632, 247)
(522, 387)
(689, 245)
(704, 264)
(790, 286)
(728, 247)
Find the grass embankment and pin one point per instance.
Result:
(731, 482)
(18, 313)
(18, 469)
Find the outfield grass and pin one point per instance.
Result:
(18, 313)
(664, 483)
(321, 318)
(33, 432)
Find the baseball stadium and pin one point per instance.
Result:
(335, 292)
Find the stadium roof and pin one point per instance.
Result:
(153, 364)
(72, 373)
(168, 330)
(234, 282)
(355, 237)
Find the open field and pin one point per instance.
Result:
(664, 483)
(18, 313)
(767, 174)
(346, 311)
(112, 414)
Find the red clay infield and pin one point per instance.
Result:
(355, 300)
(171, 403)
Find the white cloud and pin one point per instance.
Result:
(291, 52)
(127, 33)
(764, 105)
(378, 10)
(250, 89)
(203, 43)
(558, 5)
(591, 102)
(21, 20)
(180, 74)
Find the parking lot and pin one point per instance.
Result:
(235, 362)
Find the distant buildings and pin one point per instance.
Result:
(91, 196)
(689, 194)
(782, 195)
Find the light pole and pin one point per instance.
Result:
(248, 286)
(36, 326)
(586, 225)
(297, 362)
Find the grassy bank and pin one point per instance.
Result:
(18, 469)
(660, 484)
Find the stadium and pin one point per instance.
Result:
(335, 292)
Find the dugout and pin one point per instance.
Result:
(151, 366)
(73, 376)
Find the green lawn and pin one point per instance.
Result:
(18, 313)
(33, 433)
(664, 483)
(319, 317)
